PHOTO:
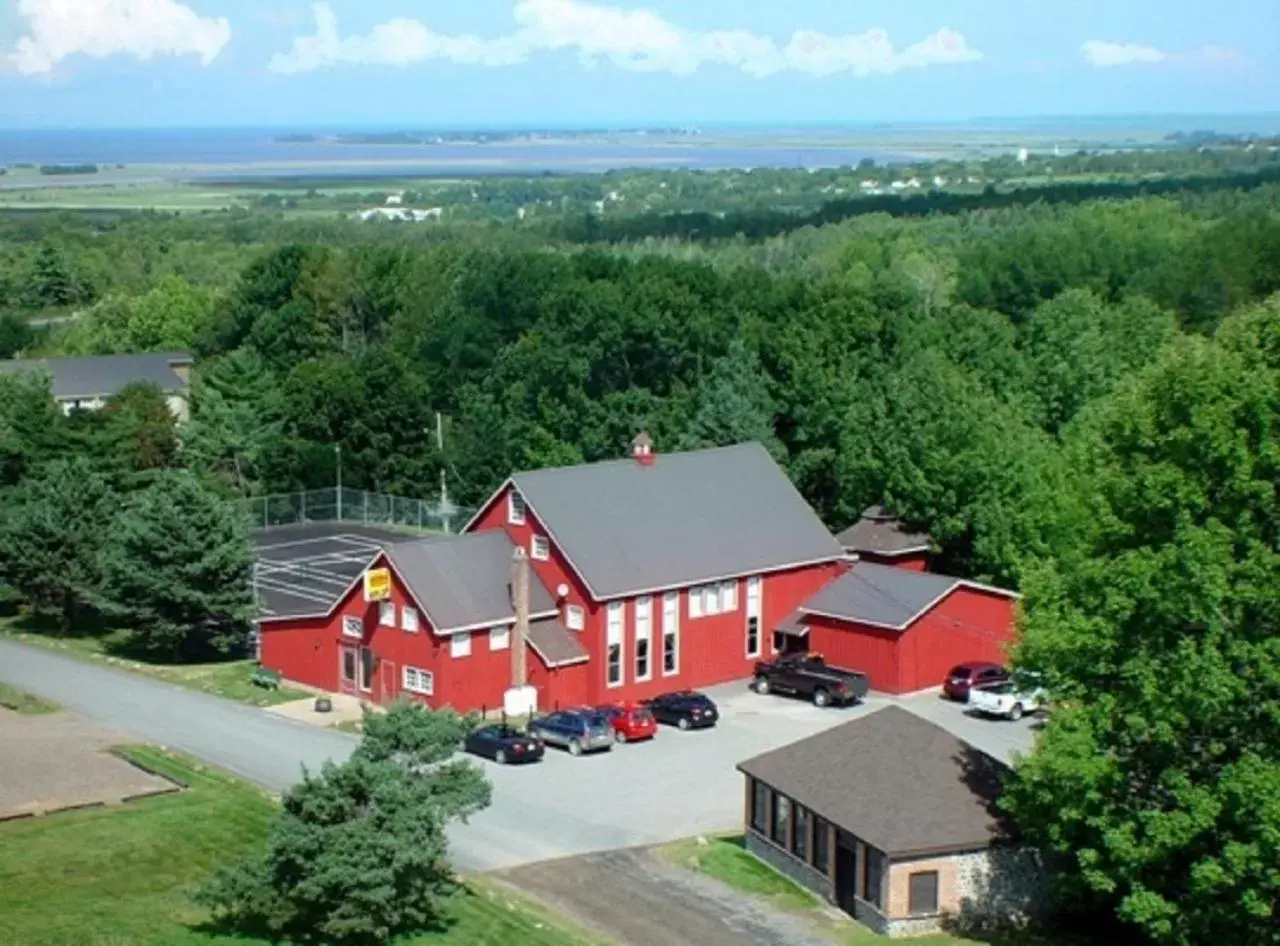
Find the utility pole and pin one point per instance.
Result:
(337, 452)
(446, 508)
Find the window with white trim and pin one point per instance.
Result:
(575, 619)
(353, 626)
(644, 638)
(539, 548)
(728, 596)
(422, 682)
(755, 605)
(695, 602)
(499, 638)
(515, 507)
(711, 599)
(460, 645)
(386, 614)
(615, 615)
(409, 620)
(671, 633)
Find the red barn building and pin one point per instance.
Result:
(903, 628)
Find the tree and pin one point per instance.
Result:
(50, 282)
(141, 427)
(170, 316)
(358, 853)
(734, 404)
(15, 335)
(52, 528)
(29, 423)
(1158, 781)
(177, 570)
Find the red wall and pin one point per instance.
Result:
(309, 652)
(712, 649)
(914, 561)
(969, 624)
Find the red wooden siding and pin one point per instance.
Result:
(913, 561)
(969, 624)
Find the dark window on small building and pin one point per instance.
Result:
(922, 896)
(760, 806)
(821, 845)
(781, 820)
(801, 847)
(873, 880)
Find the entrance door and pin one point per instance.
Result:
(846, 877)
(348, 664)
(366, 670)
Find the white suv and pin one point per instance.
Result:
(1008, 699)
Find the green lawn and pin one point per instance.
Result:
(120, 876)
(228, 679)
(725, 859)
(24, 703)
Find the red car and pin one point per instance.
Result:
(976, 673)
(631, 723)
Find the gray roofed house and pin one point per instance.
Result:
(879, 532)
(89, 381)
(464, 581)
(881, 595)
(676, 519)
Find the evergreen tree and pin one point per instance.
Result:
(30, 423)
(15, 335)
(142, 428)
(358, 853)
(52, 528)
(50, 282)
(734, 404)
(177, 570)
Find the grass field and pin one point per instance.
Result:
(121, 876)
(725, 859)
(24, 703)
(228, 679)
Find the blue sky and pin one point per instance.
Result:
(540, 62)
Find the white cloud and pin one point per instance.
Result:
(57, 29)
(1104, 55)
(633, 39)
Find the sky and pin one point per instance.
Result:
(626, 63)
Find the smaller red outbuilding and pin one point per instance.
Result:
(904, 629)
(882, 537)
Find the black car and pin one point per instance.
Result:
(686, 709)
(811, 677)
(504, 744)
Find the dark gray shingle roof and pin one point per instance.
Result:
(464, 581)
(880, 594)
(555, 644)
(105, 375)
(903, 785)
(881, 532)
(686, 518)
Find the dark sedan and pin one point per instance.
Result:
(977, 673)
(685, 709)
(504, 744)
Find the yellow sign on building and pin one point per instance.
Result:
(377, 584)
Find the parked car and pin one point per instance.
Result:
(630, 722)
(686, 709)
(810, 676)
(503, 744)
(578, 731)
(1008, 699)
(978, 673)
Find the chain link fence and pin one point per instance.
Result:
(353, 505)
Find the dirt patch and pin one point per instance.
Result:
(52, 763)
(637, 898)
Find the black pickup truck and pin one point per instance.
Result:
(809, 675)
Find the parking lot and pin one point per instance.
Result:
(677, 785)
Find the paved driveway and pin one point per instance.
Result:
(678, 785)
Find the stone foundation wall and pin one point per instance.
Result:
(789, 866)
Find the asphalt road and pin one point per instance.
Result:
(678, 785)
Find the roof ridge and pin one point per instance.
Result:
(629, 460)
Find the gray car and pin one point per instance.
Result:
(575, 731)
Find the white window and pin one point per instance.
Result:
(613, 640)
(644, 638)
(670, 633)
(575, 619)
(352, 626)
(386, 613)
(728, 596)
(695, 602)
(460, 645)
(540, 548)
(755, 611)
(499, 638)
(711, 599)
(515, 507)
(419, 681)
(409, 620)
